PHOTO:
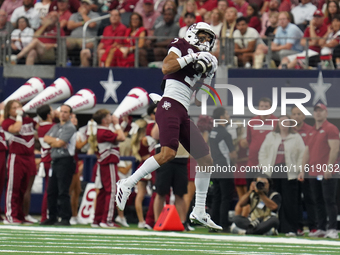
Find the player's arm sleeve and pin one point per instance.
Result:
(107, 136)
(277, 200)
(67, 134)
(333, 133)
(50, 132)
(229, 142)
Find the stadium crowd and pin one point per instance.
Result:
(293, 29)
(268, 201)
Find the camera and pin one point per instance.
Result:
(260, 185)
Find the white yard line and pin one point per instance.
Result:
(68, 241)
(251, 239)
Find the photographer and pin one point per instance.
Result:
(264, 205)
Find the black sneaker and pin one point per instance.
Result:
(62, 223)
(48, 222)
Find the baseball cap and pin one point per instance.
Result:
(318, 13)
(148, 1)
(320, 105)
(87, 1)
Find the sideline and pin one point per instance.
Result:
(231, 238)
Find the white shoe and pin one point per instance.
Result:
(290, 234)
(236, 230)
(143, 225)
(332, 233)
(204, 220)
(122, 221)
(74, 220)
(14, 222)
(107, 225)
(29, 218)
(318, 233)
(122, 195)
(95, 225)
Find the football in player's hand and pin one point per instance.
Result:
(201, 66)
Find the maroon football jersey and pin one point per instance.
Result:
(108, 149)
(44, 127)
(187, 75)
(23, 142)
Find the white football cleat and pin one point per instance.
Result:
(122, 195)
(29, 218)
(122, 221)
(204, 220)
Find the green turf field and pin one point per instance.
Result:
(86, 240)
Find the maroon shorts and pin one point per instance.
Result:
(175, 126)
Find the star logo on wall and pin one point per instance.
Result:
(320, 88)
(110, 87)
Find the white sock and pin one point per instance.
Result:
(202, 181)
(146, 168)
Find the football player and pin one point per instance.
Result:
(172, 117)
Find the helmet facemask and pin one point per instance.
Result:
(207, 36)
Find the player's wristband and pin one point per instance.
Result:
(184, 61)
(18, 118)
(117, 127)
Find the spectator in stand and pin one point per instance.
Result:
(116, 28)
(253, 18)
(191, 7)
(246, 39)
(216, 21)
(46, 114)
(286, 42)
(189, 19)
(123, 6)
(73, 6)
(330, 42)
(256, 136)
(223, 154)
(331, 10)
(76, 23)
(304, 129)
(284, 148)
(42, 7)
(21, 36)
(322, 150)
(158, 4)
(123, 54)
(271, 30)
(149, 16)
(241, 7)
(284, 6)
(9, 6)
(5, 26)
(229, 22)
(316, 31)
(64, 15)
(169, 4)
(273, 7)
(21, 163)
(303, 13)
(156, 50)
(222, 6)
(42, 49)
(27, 11)
(204, 6)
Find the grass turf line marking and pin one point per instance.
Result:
(252, 239)
(138, 242)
